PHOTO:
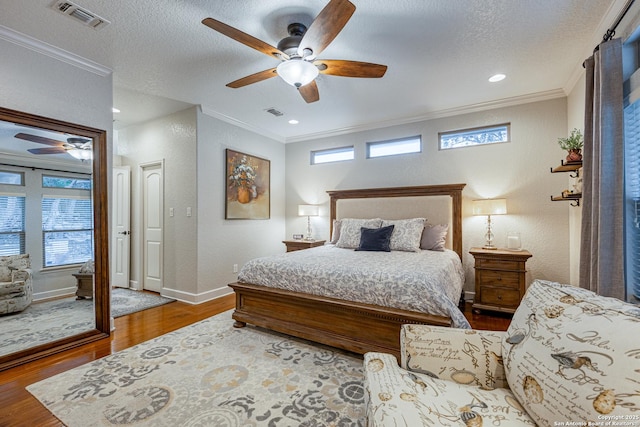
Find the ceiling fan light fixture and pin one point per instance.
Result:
(297, 72)
(80, 154)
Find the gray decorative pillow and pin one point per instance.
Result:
(350, 231)
(406, 234)
(336, 231)
(434, 237)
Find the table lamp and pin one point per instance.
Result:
(308, 211)
(489, 207)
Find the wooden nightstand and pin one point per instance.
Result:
(296, 245)
(500, 279)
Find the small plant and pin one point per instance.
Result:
(573, 142)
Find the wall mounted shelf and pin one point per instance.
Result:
(572, 168)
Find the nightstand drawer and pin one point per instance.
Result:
(509, 279)
(498, 264)
(499, 297)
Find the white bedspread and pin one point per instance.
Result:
(427, 281)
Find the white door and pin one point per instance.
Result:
(152, 223)
(121, 237)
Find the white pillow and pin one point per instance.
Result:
(350, 231)
(406, 234)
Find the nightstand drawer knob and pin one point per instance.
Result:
(499, 296)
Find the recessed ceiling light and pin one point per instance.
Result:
(293, 122)
(114, 110)
(497, 78)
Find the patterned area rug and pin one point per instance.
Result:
(126, 301)
(212, 374)
(48, 321)
(44, 322)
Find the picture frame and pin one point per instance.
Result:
(248, 186)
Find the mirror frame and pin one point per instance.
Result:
(100, 193)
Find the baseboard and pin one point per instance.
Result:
(50, 295)
(191, 298)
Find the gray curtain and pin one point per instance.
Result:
(602, 252)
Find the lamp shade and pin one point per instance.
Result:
(490, 207)
(297, 72)
(308, 210)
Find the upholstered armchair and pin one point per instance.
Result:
(16, 287)
(569, 356)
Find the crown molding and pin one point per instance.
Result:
(255, 129)
(467, 109)
(51, 51)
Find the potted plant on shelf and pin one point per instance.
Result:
(573, 144)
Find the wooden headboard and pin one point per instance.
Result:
(453, 212)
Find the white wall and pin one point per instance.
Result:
(172, 141)
(38, 84)
(518, 171)
(222, 243)
(575, 119)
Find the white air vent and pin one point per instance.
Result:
(87, 18)
(274, 112)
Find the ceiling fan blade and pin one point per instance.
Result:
(326, 27)
(253, 78)
(309, 92)
(49, 150)
(338, 67)
(244, 38)
(39, 139)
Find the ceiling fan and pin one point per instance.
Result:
(80, 148)
(298, 52)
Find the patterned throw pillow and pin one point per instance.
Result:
(406, 234)
(350, 231)
(570, 354)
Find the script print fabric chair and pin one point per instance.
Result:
(16, 287)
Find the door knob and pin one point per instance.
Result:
(124, 232)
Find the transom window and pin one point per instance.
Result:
(476, 136)
(49, 181)
(332, 155)
(11, 178)
(393, 147)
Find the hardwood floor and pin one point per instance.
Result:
(20, 408)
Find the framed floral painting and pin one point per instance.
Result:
(248, 186)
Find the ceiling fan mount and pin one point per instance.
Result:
(298, 52)
(289, 45)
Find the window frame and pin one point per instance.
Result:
(20, 174)
(391, 142)
(475, 130)
(347, 148)
(22, 234)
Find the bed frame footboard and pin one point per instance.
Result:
(351, 326)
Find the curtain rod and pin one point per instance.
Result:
(43, 169)
(611, 32)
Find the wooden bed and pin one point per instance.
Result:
(352, 326)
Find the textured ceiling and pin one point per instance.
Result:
(440, 54)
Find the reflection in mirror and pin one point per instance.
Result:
(53, 228)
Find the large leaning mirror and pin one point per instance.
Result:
(53, 220)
